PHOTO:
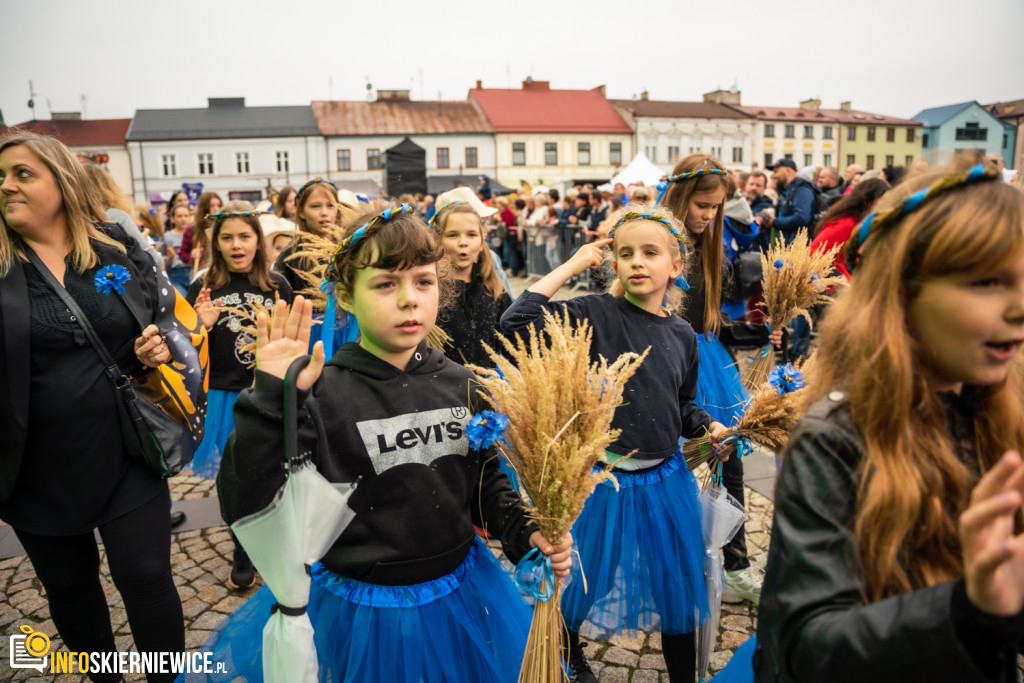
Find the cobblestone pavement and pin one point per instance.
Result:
(201, 560)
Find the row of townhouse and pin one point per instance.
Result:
(533, 134)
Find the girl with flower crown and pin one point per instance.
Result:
(407, 592)
(895, 550)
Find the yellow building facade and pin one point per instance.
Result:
(876, 141)
(560, 158)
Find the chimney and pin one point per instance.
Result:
(66, 116)
(810, 105)
(479, 84)
(392, 95)
(644, 95)
(720, 96)
(2, 124)
(600, 89)
(225, 102)
(530, 84)
(846, 106)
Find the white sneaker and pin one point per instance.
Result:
(743, 584)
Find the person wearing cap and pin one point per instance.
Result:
(798, 202)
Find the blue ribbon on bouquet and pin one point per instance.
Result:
(766, 349)
(534, 576)
(742, 447)
(330, 318)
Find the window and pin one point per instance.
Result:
(790, 131)
(871, 133)
(550, 153)
(924, 140)
(737, 155)
(808, 131)
(769, 130)
(890, 135)
(651, 149)
(1006, 140)
(716, 151)
(827, 160)
(241, 163)
(910, 160)
(851, 132)
(850, 159)
(769, 159)
(583, 154)
(615, 153)
(519, 154)
(826, 132)
(205, 162)
(170, 164)
(442, 157)
(374, 162)
(871, 161)
(282, 161)
(673, 152)
(889, 160)
(910, 134)
(344, 160)
(471, 161)
(788, 156)
(808, 159)
(971, 131)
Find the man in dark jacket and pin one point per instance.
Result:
(799, 199)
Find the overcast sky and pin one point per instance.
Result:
(892, 57)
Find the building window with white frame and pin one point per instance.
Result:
(673, 150)
(242, 163)
(442, 158)
(826, 160)
(344, 159)
(737, 155)
(169, 162)
(550, 153)
(281, 157)
(615, 153)
(651, 149)
(471, 157)
(205, 162)
(583, 153)
(374, 162)
(519, 154)
(808, 159)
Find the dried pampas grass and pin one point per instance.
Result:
(560, 407)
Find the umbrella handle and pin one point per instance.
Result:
(291, 418)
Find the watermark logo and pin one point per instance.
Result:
(30, 649)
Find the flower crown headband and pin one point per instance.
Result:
(312, 182)
(879, 220)
(349, 243)
(446, 206)
(657, 218)
(663, 185)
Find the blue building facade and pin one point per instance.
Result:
(959, 127)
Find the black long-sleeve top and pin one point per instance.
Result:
(731, 332)
(658, 404)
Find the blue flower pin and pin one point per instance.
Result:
(485, 428)
(786, 378)
(111, 278)
(778, 264)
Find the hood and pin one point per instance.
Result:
(738, 209)
(351, 356)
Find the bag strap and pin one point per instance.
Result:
(110, 366)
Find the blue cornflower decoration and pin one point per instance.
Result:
(786, 378)
(485, 428)
(815, 277)
(111, 278)
(778, 264)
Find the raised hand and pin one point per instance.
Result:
(208, 313)
(588, 256)
(280, 344)
(993, 555)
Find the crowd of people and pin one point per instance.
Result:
(894, 552)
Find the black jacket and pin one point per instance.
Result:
(401, 433)
(472, 320)
(732, 333)
(813, 624)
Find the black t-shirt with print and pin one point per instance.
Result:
(231, 367)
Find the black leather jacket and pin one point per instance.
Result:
(813, 623)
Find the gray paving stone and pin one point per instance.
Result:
(618, 655)
(614, 674)
(644, 676)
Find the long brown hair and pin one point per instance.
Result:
(219, 275)
(110, 193)
(200, 225)
(708, 243)
(82, 204)
(912, 486)
(484, 261)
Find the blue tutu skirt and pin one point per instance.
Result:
(220, 422)
(720, 390)
(641, 550)
(469, 625)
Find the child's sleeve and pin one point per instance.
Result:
(499, 510)
(694, 419)
(252, 469)
(529, 308)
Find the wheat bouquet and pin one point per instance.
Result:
(794, 279)
(551, 419)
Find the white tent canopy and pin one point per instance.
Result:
(640, 169)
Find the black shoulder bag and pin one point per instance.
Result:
(162, 439)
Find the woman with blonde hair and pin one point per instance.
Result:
(118, 209)
(895, 553)
(68, 465)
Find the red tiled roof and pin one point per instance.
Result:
(73, 133)
(398, 117)
(539, 110)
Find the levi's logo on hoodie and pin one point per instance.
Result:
(415, 437)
